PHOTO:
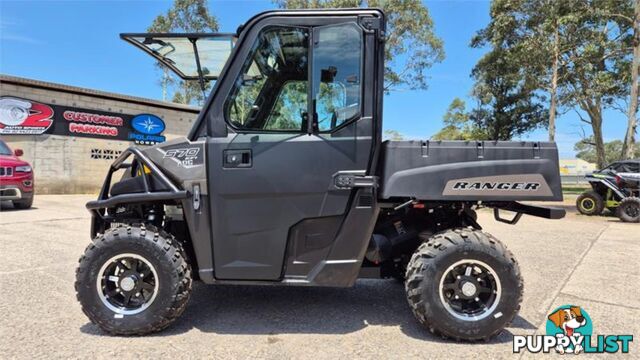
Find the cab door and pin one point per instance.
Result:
(288, 117)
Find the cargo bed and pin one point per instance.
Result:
(470, 170)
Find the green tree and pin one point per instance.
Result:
(184, 16)
(508, 101)
(598, 64)
(586, 150)
(411, 46)
(458, 124)
(628, 148)
(531, 30)
(393, 135)
(577, 51)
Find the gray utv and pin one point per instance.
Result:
(285, 180)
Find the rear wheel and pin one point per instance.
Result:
(629, 209)
(133, 280)
(464, 284)
(590, 203)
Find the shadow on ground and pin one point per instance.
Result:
(8, 206)
(272, 310)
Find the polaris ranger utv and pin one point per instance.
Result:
(285, 180)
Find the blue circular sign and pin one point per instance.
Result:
(147, 124)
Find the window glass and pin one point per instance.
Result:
(289, 108)
(337, 58)
(178, 52)
(4, 149)
(631, 167)
(271, 91)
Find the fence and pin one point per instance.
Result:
(573, 180)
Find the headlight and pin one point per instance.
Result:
(24, 168)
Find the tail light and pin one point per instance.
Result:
(618, 180)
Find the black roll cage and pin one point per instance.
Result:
(98, 207)
(106, 201)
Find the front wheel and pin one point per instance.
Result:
(464, 284)
(23, 204)
(590, 203)
(133, 280)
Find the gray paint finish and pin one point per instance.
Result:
(254, 208)
(424, 169)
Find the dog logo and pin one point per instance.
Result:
(569, 322)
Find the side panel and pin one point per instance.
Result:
(469, 170)
(290, 180)
(184, 162)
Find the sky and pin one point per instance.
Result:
(76, 43)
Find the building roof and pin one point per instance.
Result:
(8, 79)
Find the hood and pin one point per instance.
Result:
(10, 160)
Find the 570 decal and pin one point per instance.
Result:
(186, 157)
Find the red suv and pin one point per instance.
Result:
(16, 178)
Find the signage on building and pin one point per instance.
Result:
(26, 117)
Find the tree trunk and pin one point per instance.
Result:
(554, 86)
(629, 140)
(596, 126)
(165, 83)
(185, 91)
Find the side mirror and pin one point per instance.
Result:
(18, 152)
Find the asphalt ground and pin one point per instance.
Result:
(587, 261)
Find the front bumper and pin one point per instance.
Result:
(98, 207)
(13, 192)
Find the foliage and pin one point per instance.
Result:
(458, 124)
(629, 146)
(597, 74)
(184, 16)
(584, 43)
(586, 151)
(508, 103)
(411, 46)
(393, 135)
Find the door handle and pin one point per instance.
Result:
(237, 159)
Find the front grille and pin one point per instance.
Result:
(8, 192)
(6, 171)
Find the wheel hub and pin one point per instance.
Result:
(588, 204)
(468, 289)
(632, 211)
(128, 283)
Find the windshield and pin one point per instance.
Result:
(4, 149)
(178, 53)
